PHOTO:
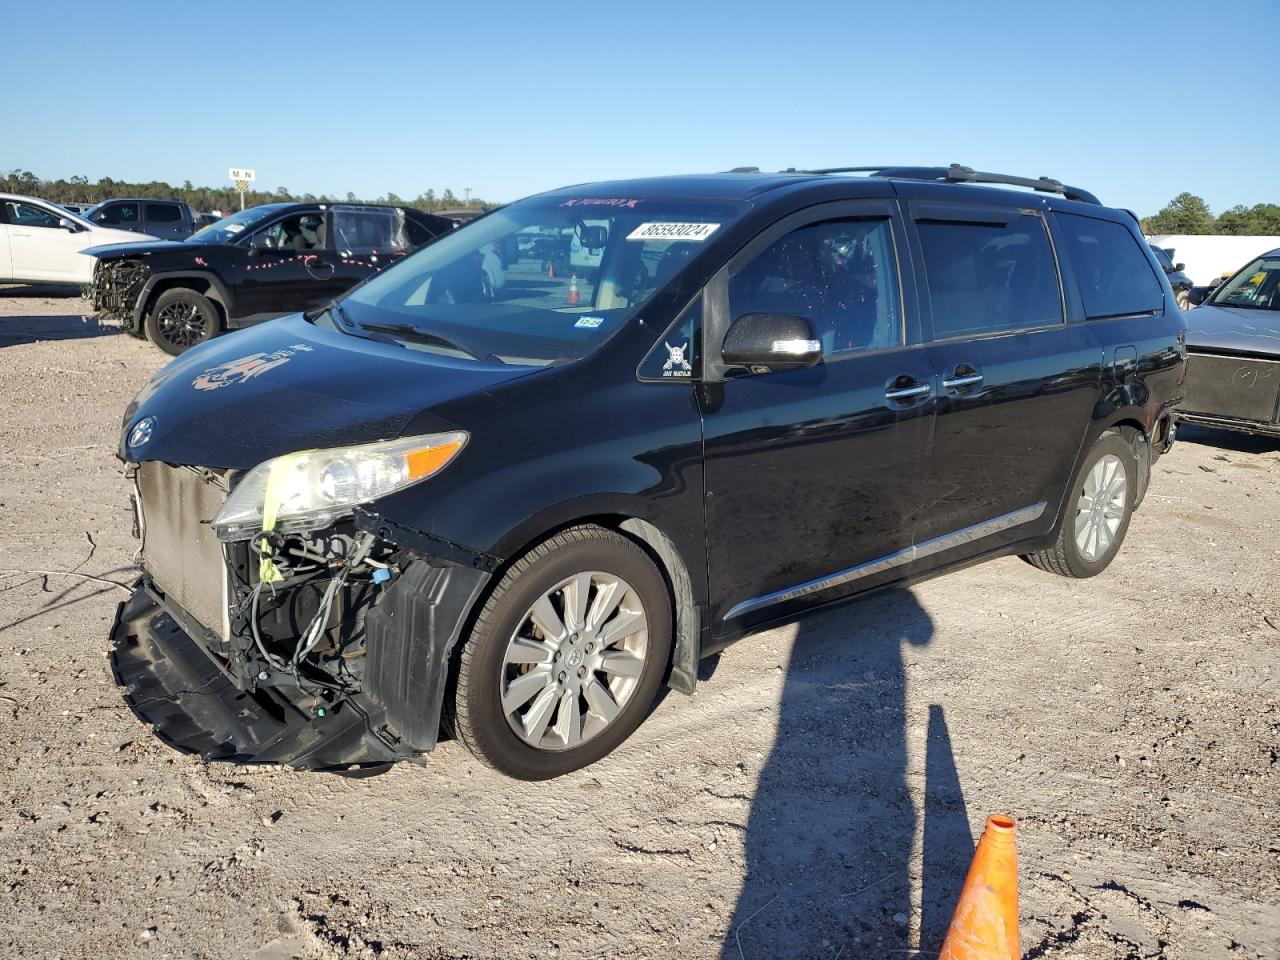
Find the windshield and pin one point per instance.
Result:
(228, 228)
(1256, 287)
(541, 281)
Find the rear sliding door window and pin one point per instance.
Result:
(986, 276)
(1114, 275)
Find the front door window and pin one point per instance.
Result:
(840, 275)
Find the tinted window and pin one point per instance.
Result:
(116, 213)
(840, 275)
(23, 214)
(163, 213)
(985, 277)
(1114, 276)
(418, 233)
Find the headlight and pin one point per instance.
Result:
(311, 489)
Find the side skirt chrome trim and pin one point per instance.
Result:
(926, 548)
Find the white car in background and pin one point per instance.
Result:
(40, 242)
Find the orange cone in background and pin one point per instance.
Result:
(985, 924)
(574, 296)
(551, 270)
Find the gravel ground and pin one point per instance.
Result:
(816, 798)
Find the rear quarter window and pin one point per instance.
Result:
(1114, 275)
(163, 213)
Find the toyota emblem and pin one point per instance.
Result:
(141, 432)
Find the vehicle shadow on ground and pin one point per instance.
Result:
(33, 329)
(830, 834)
(1227, 439)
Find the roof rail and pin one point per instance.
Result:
(957, 173)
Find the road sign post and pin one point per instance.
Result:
(241, 177)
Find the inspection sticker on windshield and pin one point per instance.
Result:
(589, 323)
(234, 227)
(696, 232)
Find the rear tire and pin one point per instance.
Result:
(565, 657)
(1183, 298)
(1097, 513)
(180, 319)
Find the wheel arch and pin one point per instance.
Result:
(625, 517)
(206, 284)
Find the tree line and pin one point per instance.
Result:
(205, 199)
(1187, 213)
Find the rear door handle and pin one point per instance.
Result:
(908, 393)
(959, 383)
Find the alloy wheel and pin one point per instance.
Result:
(181, 324)
(1100, 508)
(575, 661)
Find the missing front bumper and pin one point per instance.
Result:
(173, 685)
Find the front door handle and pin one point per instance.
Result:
(959, 383)
(908, 392)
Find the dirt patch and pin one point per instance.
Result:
(817, 797)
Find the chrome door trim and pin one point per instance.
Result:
(926, 548)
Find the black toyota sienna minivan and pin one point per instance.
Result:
(517, 481)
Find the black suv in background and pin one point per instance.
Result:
(521, 508)
(166, 219)
(1178, 280)
(261, 263)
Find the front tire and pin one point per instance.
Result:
(1098, 511)
(180, 319)
(565, 657)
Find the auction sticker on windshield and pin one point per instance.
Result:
(673, 231)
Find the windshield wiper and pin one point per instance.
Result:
(409, 332)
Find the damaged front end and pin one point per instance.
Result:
(117, 285)
(322, 649)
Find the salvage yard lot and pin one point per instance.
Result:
(815, 798)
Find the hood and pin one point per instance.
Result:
(128, 244)
(287, 385)
(1234, 330)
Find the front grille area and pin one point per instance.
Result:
(117, 284)
(1239, 388)
(179, 548)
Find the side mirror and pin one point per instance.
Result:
(260, 241)
(1179, 267)
(1197, 295)
(68, 225)
(771, 341)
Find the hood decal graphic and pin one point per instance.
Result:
(246, 368)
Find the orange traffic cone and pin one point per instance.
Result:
(573, 297)
(985, 924)
(551, 270)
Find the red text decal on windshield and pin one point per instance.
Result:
(599, 202)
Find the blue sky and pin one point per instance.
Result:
(1135, 101)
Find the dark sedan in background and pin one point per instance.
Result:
(1233, 343)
